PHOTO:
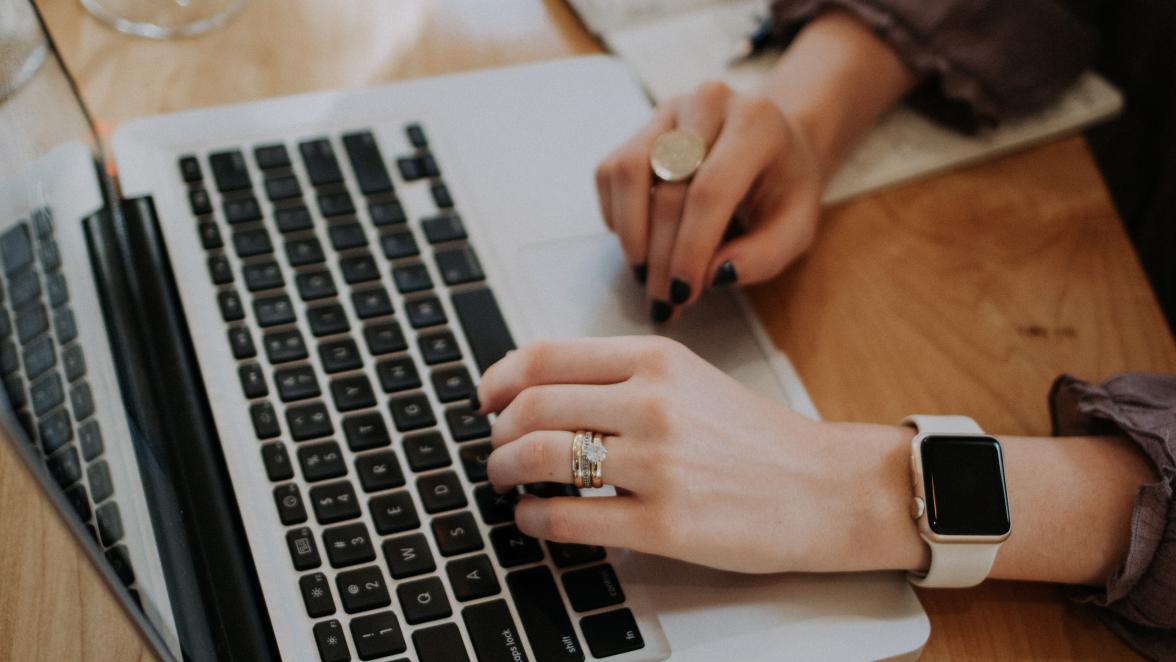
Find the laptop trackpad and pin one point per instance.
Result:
(583, 287)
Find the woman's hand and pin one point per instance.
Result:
(707, 470)
(760, 170)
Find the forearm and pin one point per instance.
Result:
(835, 79)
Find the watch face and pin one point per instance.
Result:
(964, 482)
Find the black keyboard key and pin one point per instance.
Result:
(493, 632)
(230, 305)
(65, 466)
(566, 555)
(210, 236)
(302, 252)
(265, 421)
(423, 600)
(354, 392)
(9, 357)
(309, 422)
(332, 645)
(241, 343)
(593, 588)
(219, 270)
(472, 578)
(459, 265)
(611, 633)
(440, 492)
(74, 362)
(485, 329)
(416, 136)
(327, 320)
(272, 311)
(334, 502)
(362, 589)
(55, 430)
(474, 458)
(439, 347)
(429, 165)
(56, 289)
(442, 228)
(46, 393)
(283, 346)
(425, 312)
(412, 278)
(495, 508)
(321, 461)
(43, 222)
(80, 501)
(30, 321)
(371, 303)
(289, 502)
(457, 534)
(316, 285)
(340, 355)
(242, 210)
(366, 161)
(347, 235)
(282, 188)
(14, 386)
(335, 204)
(110, 526)
(377, 635)
(465, 425)
(276, 461)
(252, 242)
(348, 545)
(384, 338)
(297, 383)
(411, 168)
(190, 169)
(293, 219)
(50, 255)
(452, 384)
(365, 432)
(64, 324)
(426, 451)
(262, 276)
(441, 196)
(513, 547)
(82, 401)
(411, 412)
(393, 513)
(359, 268)
(303, 550)
(549, 490)
(316, 595)
(387, 212)
(379, 471)
(229, 170)
(321, 164)
(544, 617)
(199, 201)
(398, 245)
(24, 286)
(441, 643)
(90, 440)
(271, 156)
(39, 356)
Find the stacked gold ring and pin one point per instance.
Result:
(588, 453)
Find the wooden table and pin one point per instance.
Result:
(965, 293)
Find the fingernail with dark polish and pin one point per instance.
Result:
(640, 272)
(660, 311)
(475, 404)
(725, 275)
(679, 291)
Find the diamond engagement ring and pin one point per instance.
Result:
(588, 453)
(676, 154)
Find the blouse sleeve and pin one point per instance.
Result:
(982, 60)
(1139, 598)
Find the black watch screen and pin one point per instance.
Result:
(963, 478)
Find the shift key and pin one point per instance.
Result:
(545, 619)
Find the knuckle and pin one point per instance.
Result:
(712, 93)
(703, 194)
(755, 109)
(558, 524)
(629, 168)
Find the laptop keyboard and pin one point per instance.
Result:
(358, 380)
(45, 378)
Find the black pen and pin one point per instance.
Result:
(755, 42)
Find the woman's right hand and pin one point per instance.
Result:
(761, 172)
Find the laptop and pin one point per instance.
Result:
(237, 352)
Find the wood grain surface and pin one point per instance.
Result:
(965, 293)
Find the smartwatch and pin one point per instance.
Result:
(960, 500)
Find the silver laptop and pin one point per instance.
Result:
(241, 368)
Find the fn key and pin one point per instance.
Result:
(611, 633)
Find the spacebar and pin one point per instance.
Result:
(485, 330)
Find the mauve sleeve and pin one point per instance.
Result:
(982, 60)
(1139, 598)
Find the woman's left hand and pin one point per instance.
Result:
(707, 470)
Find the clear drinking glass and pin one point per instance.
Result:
(164, 19)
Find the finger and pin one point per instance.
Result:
(765, 250)
(666, 203)
(603, 194)
(702, 113)
(629, 178)
(561, 407)
(574, 361)
(607, 521)
(546, 456)
(724, 179)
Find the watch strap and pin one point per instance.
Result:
(942, 424)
